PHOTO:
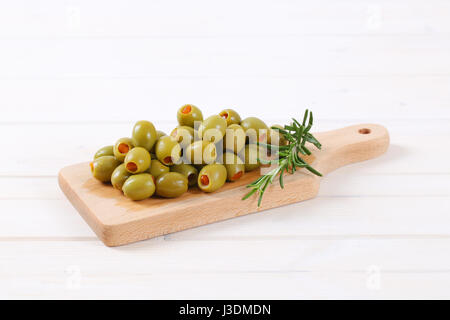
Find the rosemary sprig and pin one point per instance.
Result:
(288, 159)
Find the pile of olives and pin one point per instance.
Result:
(203, 153)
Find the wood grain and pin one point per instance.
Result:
(116, 220)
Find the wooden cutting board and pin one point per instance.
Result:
(117, 220)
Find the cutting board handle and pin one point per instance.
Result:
(349, 145)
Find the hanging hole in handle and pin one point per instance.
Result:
(364, 131)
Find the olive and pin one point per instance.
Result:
(255, 129)
(189, 171)
(144, 134)
(105, 151)
(219, 153)
(234, 139)
(159, 134)
(212, 177)
(119, 176)
(184, 135)
(168, 151)
(212, 129)
(201, 152)
(234, 165)
(252, 153)
(103, 167)
(171, 185)
(275, 137)
(137, 160)
(188, 114)
(121, 148)
(157, 168)
(231, 116)
(139, 187)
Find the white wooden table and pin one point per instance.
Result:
(75, 75)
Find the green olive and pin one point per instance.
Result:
(139, 187)
(252, 153)
(255, 129)
(119, 176)
(121, 148)
(144, 134)
(231, 116)
(157, 168)
(159, 134)
(234, 139)
(137, 160)
(212, 129)
(275, 137)
(171, 185)
(188, 114)
(220, 153)
(103, 167)
(105, 151)
(168, 151)
(212, 177)
(234, 165)
(184, 135)
(201, 152)
(187, 170)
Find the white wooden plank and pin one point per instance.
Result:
(160, 256)
(325, 217)
(348, 183)
(69, 99)
(42, 218)
(228, 57)
(22, 188)
(49, 147)
(277, 269)
(66, 284)
(336, 217)
(206, 18)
